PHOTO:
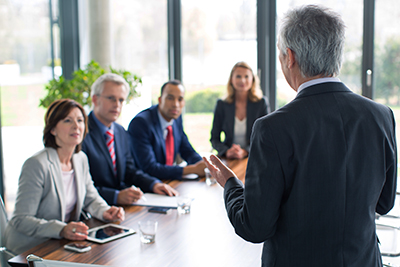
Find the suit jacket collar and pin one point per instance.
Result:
(323, 88)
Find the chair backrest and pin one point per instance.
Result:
(3, 221)
(35, 261)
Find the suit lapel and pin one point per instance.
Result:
(176, 134)
(80, 191)
(250, 114)
(157, 127)
(231, 117)
(118, 151)
(99, 141)
(56, 174)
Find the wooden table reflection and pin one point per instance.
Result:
(204, 237)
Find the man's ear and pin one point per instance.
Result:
(94, 99)
(291, 60)
(159, 100)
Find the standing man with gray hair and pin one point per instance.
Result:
(107, 146)
(321, 166)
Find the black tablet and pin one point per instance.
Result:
(108, 232)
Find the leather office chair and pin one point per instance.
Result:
(35, 261)
(5, 255)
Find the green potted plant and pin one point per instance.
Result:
(79, 87)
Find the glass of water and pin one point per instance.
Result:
(209, 179)
(147, 231)
(183, 204)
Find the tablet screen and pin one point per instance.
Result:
(108, 232)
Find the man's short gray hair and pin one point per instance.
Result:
(98, 86)
(316, 36)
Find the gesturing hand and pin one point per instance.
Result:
(219, 170)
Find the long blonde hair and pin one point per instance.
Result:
(255, 93)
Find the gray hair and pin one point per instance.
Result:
(316, 36)
(98, 86)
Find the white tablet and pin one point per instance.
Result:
(108, 232)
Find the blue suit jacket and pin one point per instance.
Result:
(101, 167)
(148, 145)
(318, 170)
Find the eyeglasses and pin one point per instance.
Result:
(113, 99)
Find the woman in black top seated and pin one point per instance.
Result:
(236, 114)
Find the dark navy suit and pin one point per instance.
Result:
(148, 145)
(318, 170)
(101, 168)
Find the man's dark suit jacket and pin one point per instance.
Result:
(148, 145)
(318, 170)
(224, 121)
(101, 168)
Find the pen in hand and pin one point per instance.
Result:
(143, 197)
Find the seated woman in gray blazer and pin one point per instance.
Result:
(55, 185)
(236, 114)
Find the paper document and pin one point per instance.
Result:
(190, 176)
(156, 200)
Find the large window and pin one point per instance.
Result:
(387, 56)
(24, 69)
(213, 40)
(352, 14)
(140, 46)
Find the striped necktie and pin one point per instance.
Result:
(110, 146)
(169, 147)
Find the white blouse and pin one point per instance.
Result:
(240, 132)
(69, 193)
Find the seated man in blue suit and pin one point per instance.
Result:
(154, 128)
(107, 147)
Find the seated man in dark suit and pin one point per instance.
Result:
(321, 166)
(107, 147)
(157, 137)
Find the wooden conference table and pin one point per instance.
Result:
(204, 237)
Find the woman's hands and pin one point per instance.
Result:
(114, 214)
(236, 152)
(79, 230)
(75, 231)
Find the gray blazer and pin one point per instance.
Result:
(40, 209)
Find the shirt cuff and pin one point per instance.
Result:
(153, 184)
(115, 197)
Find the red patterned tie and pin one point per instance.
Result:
(169, 147)
(110, 146)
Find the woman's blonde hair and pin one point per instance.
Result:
(255, 93)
